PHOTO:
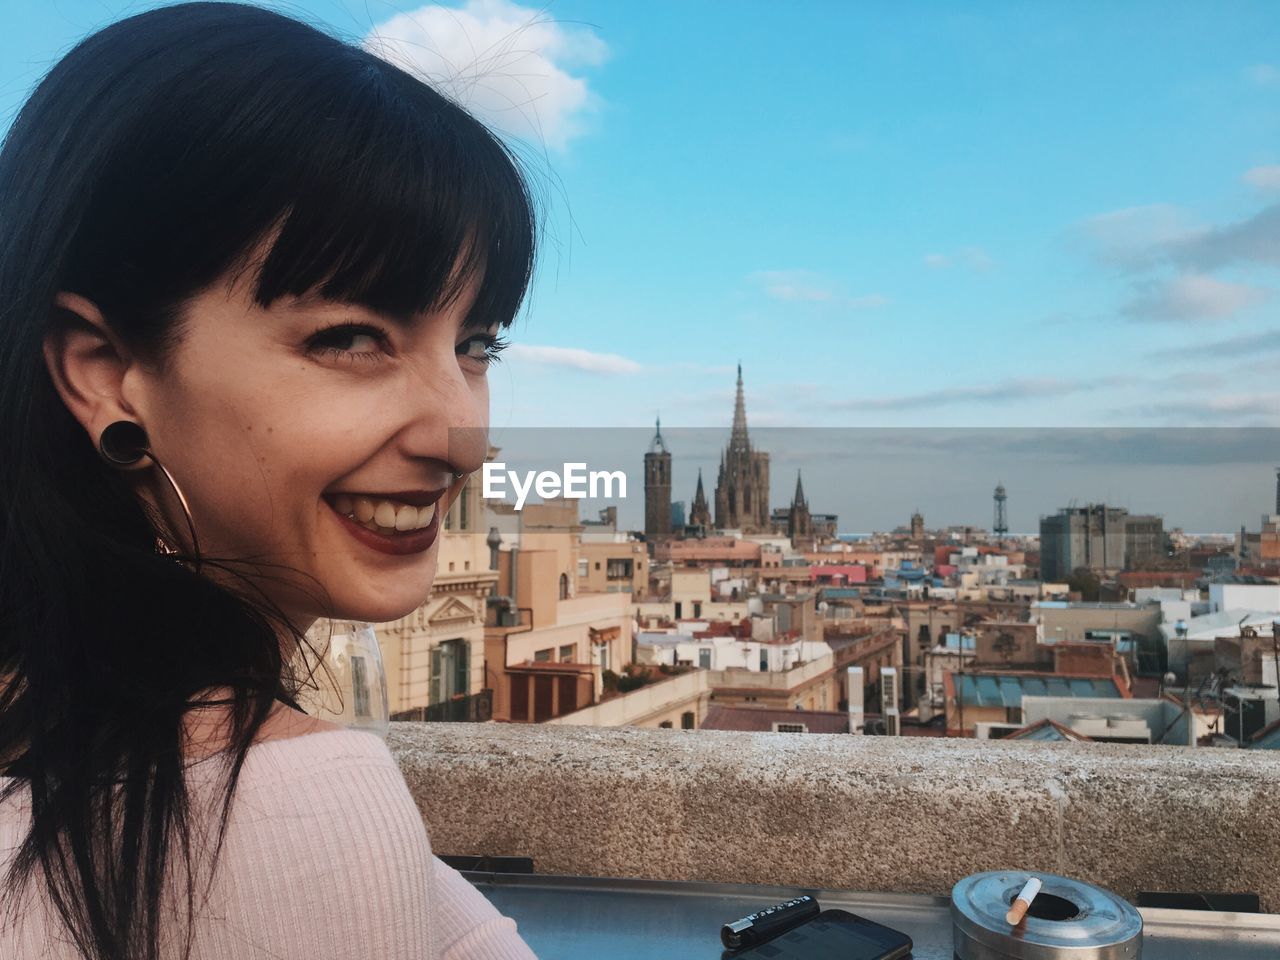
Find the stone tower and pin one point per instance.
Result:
(917, 526)
(701, 512)
(657, 487)
(799, 523)
(742, 488)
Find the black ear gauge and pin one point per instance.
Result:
(123, 443)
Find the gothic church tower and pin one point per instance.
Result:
(657, 487)
(742, 487)
(799, 523)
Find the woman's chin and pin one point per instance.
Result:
(383, 608)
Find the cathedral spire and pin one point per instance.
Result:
(701, 512)
(738, 435)
(798, 499)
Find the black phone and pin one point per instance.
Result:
(832, 935)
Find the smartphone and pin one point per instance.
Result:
(832, 935)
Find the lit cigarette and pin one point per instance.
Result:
(1020, 906)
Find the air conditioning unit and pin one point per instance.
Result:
(889, 696)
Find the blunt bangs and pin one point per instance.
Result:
(398, 201)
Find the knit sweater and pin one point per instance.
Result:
(325, 856)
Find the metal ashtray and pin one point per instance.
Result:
(1068, 920)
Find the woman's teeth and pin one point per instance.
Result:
(384, 516)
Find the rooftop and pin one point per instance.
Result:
(760, 719)
(1008, 689)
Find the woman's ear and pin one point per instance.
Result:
(88, 364)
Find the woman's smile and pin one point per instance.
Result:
(398, 524)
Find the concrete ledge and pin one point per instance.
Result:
(861, 813)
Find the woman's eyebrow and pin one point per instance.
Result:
(315, 301)
(403, 320)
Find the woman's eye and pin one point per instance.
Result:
(484, 348)
(349, 340)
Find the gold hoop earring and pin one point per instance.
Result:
(125, 443)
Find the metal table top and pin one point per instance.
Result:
(568, 918)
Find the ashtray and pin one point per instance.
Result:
(1068, 920)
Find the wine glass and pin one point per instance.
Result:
(349, 686)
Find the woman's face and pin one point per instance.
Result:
(322, 438)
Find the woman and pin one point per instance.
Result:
(251, 278)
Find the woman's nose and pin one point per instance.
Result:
(449, 417)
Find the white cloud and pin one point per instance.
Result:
(507, 64)
(1135, 237)
(1001, 392)
(975, 258)
(1255, 240)
(795, 285)
(1192, 297)
(1265, 178)
(1245, 345)
(572, 358)
(1239, 410)
(1264, 74)
(808, 287)
(868, 301)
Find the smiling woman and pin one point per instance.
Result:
(251, 281)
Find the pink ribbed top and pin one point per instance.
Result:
(325, 856)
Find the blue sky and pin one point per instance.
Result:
(980, 214)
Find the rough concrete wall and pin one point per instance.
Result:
(860, 813)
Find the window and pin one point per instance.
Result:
(463, 509)
(704, 658)
(564, 586)
(466, 564)
(450, 670)
(597, 564)
(584, 568)
(687, 720)
(451, 566)
(790, 728)
(542, 656)
(568, 652)
(764, 659)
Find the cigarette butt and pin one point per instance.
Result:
(1023, 902)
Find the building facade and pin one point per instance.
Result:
(1098, 538)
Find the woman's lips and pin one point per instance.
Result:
(397, 542)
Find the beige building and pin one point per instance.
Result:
(679, 702)
(613, 568)
(434, 657)
(550, 637)
(807, 686)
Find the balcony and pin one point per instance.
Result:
(882, 816)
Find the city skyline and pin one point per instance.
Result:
(1228, 478)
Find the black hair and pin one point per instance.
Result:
(156, 156)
